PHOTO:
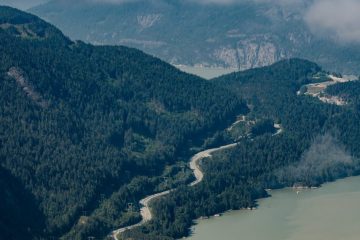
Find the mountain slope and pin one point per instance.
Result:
(20, 217)
(87, 129)
(318, 142)
(244, 35)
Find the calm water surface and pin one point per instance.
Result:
(207, 73)
(331, 212)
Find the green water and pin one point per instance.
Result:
(331, 212)
(204, 72)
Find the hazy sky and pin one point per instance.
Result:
(22, 4)
(339, 18)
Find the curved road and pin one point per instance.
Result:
(199, 175)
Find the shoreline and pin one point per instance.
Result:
(204, 67)
(145, 210)
(205, 72)
(259, 205)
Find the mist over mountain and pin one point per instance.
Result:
(235, 34)
(22, 4)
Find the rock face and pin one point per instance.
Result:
(247, 55)
(146, 21)
(242, 36)
(227, 55)
(250, 52)
(21, 79)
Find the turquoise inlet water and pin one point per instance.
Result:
(331, 212)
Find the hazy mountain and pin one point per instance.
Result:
(242, 34)
(22, 4)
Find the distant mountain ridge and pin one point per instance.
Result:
(244, 35)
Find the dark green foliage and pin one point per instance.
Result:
(19, 215)
(81, 122)
(87, 130)
(314, 133)
(262, 127)
(348, 91)
(20, 24)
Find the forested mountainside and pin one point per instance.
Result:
(316, 142)
(242, 35)
(87, 130)
(349, 91)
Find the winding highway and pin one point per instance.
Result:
(145, 210)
